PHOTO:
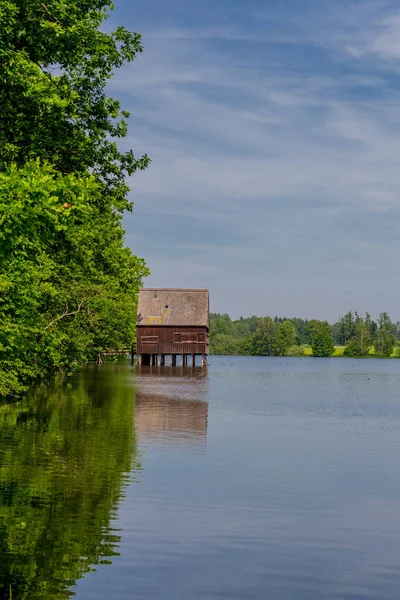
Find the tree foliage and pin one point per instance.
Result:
(270, 336)
(362, 337)
(56, 61)
(68, 285)
(265, 336)
(385, 337)
(322, 344)
(285, 337)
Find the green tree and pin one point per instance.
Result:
(301, 330)
(321, 338)
(220, 324)
(265, 336)
(337, 333)
(372, 326)
(68, 284)
(362, 338)
(222, 344)
(285, 337)
(385, 338)
(244, 327)
(315, 326)
(348, 327)
(56, 61)
(322, 344)
(352, 350)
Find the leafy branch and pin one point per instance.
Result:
(67, 313)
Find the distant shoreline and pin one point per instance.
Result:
(338, 353)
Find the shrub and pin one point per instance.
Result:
(295, 351)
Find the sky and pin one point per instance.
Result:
(274, 133)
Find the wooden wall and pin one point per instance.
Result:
(171, 340)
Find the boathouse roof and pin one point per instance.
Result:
(173, 306)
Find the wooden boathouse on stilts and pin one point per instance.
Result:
(172, 326)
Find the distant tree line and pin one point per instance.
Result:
(356, 336)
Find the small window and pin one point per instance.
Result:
(167, 306)
(185, 338)
(188, 338)
(149, 339)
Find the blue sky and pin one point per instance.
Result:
(274, 131)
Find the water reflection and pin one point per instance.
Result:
(65, 455)
(170, 407)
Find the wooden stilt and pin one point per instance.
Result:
(173, 360)
(140, 360)
(193, 360)
(151, 359)
(162, 360)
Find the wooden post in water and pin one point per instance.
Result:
(193, 360)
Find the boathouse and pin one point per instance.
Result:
(172, 323)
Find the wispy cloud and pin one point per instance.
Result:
(269, 149)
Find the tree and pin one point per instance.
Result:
(337, 333)
(352, 350)
(372, 326)
(362, 338)
(264, 336)
(322, 344)
(321, 338)
(315, 326)
(285, 337)
(220, 324)
(68, 284)
(301, 330)
(56, 61)
(385, 337)
(348, 327)
(222, 344)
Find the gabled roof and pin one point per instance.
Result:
(173, 306)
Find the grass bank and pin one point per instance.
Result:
(339, 352)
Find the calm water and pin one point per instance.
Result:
(260, 479)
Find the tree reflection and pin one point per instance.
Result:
(65, 455)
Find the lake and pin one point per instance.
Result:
(258, 478)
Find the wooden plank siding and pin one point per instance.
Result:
(172, 339)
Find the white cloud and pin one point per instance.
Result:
(272, 147)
